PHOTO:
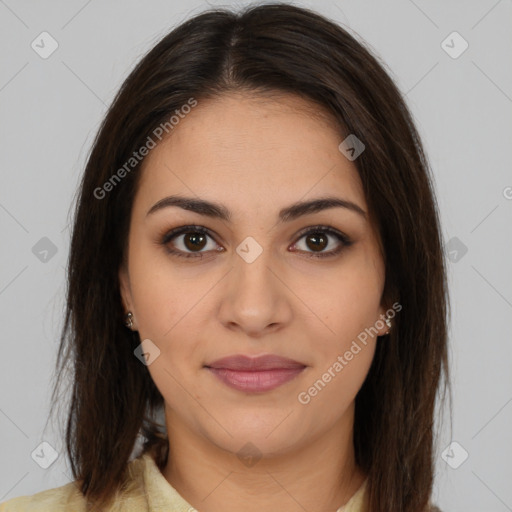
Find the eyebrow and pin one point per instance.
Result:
(216, 210)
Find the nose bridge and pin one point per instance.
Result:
(254, 297)
(252, 273)
(253, 262)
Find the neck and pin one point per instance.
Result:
(318, 475)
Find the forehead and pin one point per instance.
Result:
(252, 151)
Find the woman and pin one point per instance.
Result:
(257, 257)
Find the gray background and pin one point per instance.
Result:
(51, 109)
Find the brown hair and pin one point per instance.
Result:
(264, 49)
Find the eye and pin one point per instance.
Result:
(189, 238)
(318, 238)
(189, 242)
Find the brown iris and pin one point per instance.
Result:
(197, 240)
(319, 241)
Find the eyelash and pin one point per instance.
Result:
(168, 236)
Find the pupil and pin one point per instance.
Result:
(196, 240)
(316, 244)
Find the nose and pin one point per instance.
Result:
(255, 299)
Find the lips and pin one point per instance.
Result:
(255, 374)
(260, 363)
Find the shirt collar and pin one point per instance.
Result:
(160, 494)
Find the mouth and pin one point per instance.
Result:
(255, 374)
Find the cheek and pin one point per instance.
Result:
(345, 350)
(160, 294)
(173, 319)
(347, 305)
(333, 386)
(169, 311)
(157, 305)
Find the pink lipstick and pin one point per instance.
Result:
(255, 374)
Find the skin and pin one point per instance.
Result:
(255, 156)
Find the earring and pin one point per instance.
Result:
(129, 320)
(388, 323)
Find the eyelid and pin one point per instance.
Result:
(329, 230)
(167, 236)
(323, 228)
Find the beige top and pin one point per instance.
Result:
(147, 491)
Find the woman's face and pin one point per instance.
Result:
(255, 283)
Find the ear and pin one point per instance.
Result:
(125, 289)
(381, 321)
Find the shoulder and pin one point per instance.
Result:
(69, 498)
(66, 498)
